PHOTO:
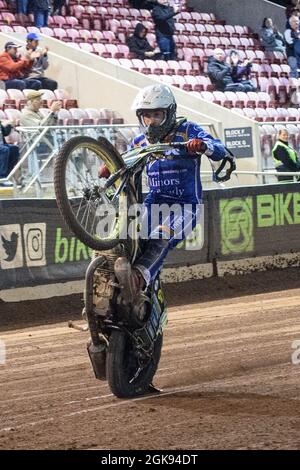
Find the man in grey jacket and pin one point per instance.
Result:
(40, 64)
(31, 115)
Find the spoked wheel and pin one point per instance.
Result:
(122, 366)
(91, 213)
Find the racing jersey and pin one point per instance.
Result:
(175, 176)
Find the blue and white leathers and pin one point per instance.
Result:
(178, 179)
(174, 179)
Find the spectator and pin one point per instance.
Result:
(40, 64)
(146, 4)
(220, 74)
(240, 71)
(139, 45)
(285, 157)
(13, 69)
(290, 9)
(163, 17)
(21, 11)
(31, 115)
(294, 12)
(57, 6)
(270, 37)
(41, 10)
(30, 7)
(292, 39)
(295, 98)
(9, 154)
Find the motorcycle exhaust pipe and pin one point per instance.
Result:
(97, 355)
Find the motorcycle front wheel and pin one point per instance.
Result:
(122, 365)
(91, 213)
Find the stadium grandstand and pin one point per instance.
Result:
(101, 27)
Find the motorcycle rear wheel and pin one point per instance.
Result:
(121, 366)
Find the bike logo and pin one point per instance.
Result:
(12, 241)
(237, 230)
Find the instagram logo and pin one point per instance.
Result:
(35, 244)
(34, 241)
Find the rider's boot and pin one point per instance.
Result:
(130, 279)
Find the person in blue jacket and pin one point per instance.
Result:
(9, 154)
(173, 178)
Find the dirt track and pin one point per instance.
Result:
(226, 373)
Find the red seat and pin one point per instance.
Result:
(60, 20)
(60, 33)
(73, 34)
(62, 95)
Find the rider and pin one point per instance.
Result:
(173, 178)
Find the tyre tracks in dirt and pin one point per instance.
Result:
(225, 371)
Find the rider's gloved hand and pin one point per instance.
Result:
(196, 146)
(103, 171)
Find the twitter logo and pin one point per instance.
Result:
(11, 250)
(10, 246)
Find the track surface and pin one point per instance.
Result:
(226, 373)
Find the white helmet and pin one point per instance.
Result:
(151, 98)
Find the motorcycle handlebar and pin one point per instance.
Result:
(228, 159)
(179, 145)
(113, 178)
(232, 167)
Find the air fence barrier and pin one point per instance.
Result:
(240, 223)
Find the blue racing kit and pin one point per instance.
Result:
(173, 178)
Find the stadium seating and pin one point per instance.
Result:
(12, 101)
(101, 27)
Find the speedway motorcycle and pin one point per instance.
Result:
(125, 340)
